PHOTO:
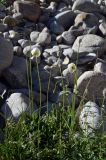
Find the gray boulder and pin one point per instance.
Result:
(86, 6)
(35, 95)
(28, 9)
(91, 85)
(89, 43)
(6, 53)
(65, 18)
(15, 105)
(16, 74)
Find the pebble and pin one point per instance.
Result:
(68, 37)
(44, 38)
(100, 67)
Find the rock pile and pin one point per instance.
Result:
(61, 32)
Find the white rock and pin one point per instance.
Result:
(15, 105)
(92, 118)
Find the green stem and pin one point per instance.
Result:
(40, 103)
(73, 104)
(48, 90)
